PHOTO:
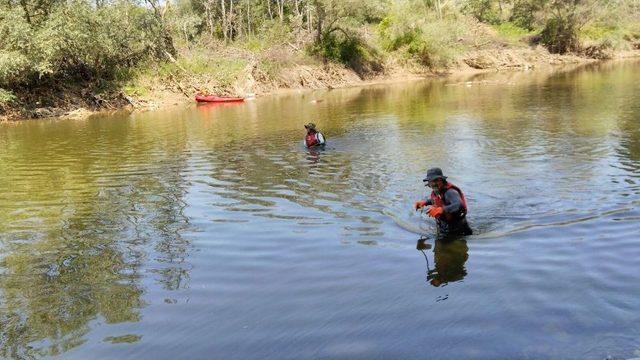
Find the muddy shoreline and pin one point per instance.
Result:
(78, 103)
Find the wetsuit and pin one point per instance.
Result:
(454, 220)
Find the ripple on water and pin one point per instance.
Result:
(186, 234)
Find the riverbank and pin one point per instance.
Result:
(172, 84)
(73, 61)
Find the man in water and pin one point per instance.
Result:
(447, 205)
(314, 138)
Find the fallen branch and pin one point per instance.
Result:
(172, 78)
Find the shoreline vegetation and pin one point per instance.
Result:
(70, 58)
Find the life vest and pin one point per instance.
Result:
(313, 139)
(438, 200)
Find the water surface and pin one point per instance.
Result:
(210, 232)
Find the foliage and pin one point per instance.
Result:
(560, 36)
(48, 42)
(523, 13)
(510, 30)
(560, 33)
(337, 37)
(487, 11)
(351, 50)
(431, 41)
(6, 97)
(76, 40)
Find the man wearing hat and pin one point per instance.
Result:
(314, 137)
(447, 205)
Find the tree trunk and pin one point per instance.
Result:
(224, 19)
(320, 14)
(167, 41)
(231, 21)
(208, 16)
(280, 4)
(248, 19)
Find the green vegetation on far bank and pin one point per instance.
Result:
(99, 52)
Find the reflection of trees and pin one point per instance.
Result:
(54, 291)
(81, 218)
(628, 149)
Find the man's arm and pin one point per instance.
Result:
(454, 200)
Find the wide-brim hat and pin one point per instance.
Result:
(311, 126)
(433, 174)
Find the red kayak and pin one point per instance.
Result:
(217, 99)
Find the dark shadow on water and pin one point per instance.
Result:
(449, 257)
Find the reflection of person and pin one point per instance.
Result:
(314, 154)
(448, 205)
(449, 258)
(314, 138)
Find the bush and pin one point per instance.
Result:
(486, 11)
(351, 49)
(76, 40)
(432, 42)
(560, 36)
(523, 13)
(6, 97)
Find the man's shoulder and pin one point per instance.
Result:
(451, 192)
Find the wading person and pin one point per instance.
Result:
(448, 205)
(314, 138)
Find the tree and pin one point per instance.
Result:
(565, 19)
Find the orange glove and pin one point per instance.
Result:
(419, 204)
(435, 211)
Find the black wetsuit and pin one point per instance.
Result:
(456, 222)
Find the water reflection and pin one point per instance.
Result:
(449, 257)
(54, 288)
(314, 154)
(113, 220)
(76, 232)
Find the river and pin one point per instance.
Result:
(210, 232)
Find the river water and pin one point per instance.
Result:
(211, 233)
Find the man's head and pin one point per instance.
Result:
(311, 128)
(435, 180)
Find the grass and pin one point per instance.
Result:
(619, 37)
(511, 32)
(199, 66)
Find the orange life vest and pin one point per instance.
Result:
(313, 139)
(438, 200)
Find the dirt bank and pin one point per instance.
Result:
(80, 101)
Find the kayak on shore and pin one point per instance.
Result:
(217, 99)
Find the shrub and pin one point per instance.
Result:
(76, 40)
(484, 10)
(560, 36)
(523, 13)
(511, 31)
(351, 49)
(6, 97)
(430, 41)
